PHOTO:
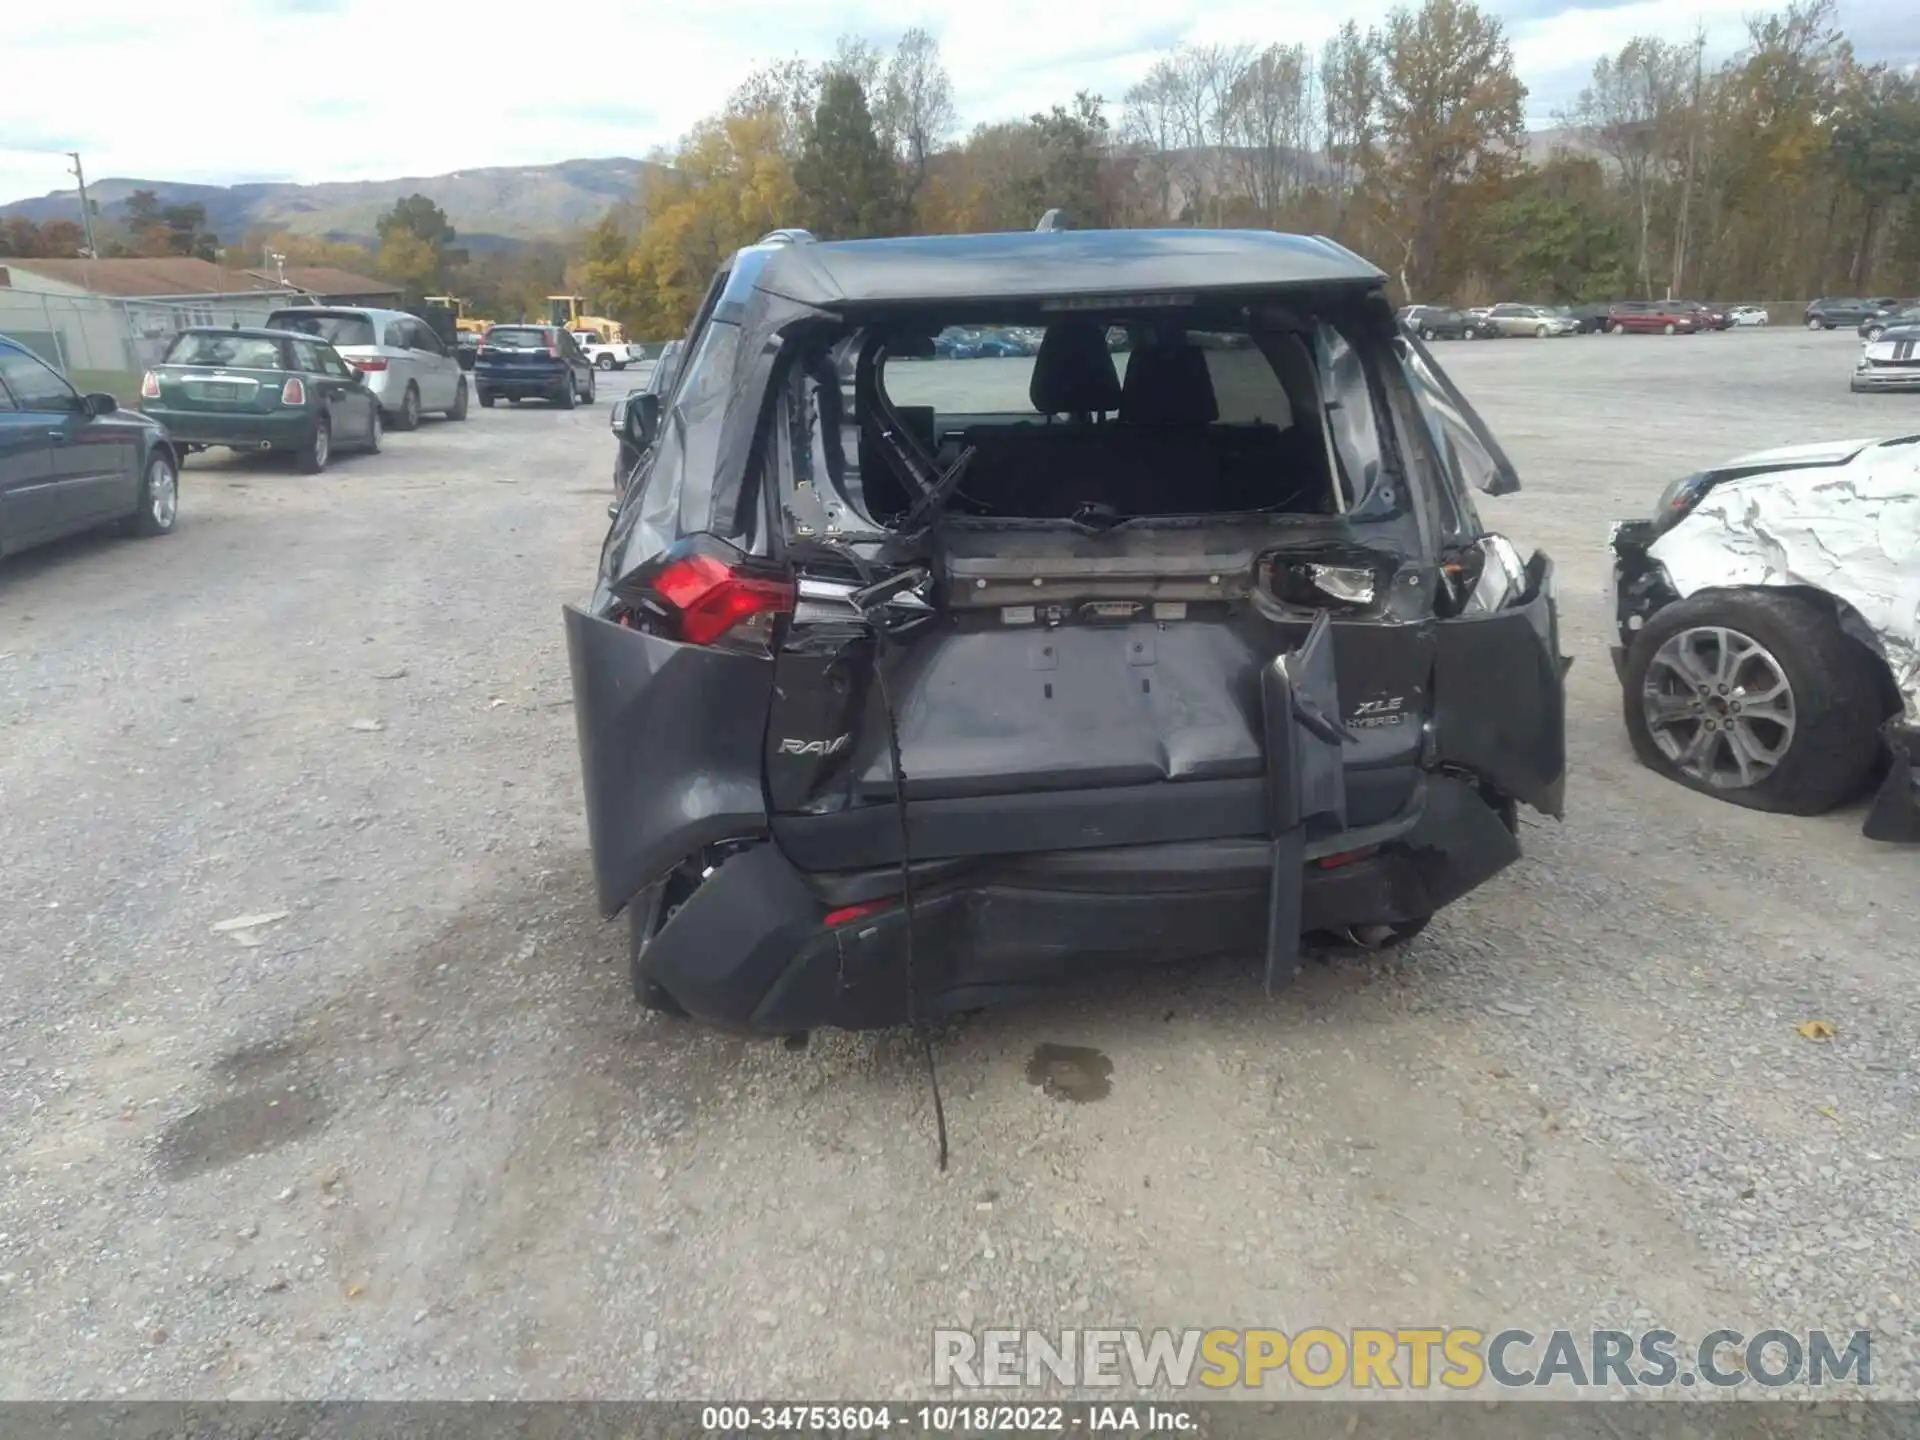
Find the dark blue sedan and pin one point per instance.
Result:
(71, 462)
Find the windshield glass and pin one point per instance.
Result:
(235, 352)
(337, 329)
(516, 337)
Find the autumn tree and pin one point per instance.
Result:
(846, 180)
(147, 231)
(916, 108)
(1350, 114)
(1450, 106)
(260, 244)
(1271, 130)
(1629, 112)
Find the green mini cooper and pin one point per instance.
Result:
(257, 390)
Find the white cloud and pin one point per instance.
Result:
(315, 89)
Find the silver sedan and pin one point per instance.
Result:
(1531, 320)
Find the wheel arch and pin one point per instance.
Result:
(1850, 621)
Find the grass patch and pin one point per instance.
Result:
(123, 385)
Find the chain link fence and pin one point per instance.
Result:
(103, 343)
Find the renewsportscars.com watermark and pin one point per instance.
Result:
(1398, 1358)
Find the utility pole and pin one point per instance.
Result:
(86, 210)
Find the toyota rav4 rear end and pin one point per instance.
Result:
(912, 685)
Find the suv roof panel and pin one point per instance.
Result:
(1030, 265)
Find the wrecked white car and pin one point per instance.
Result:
(1890, 360)
(1769, 618)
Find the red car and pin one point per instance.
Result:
(1651, 317)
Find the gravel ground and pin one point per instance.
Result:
(413, 1139)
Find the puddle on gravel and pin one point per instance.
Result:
(248, 1122)
(1070, 1072)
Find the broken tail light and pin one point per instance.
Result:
(847, 914)
(703, 591)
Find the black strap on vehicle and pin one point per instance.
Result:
(914, 1019)
(872, 602)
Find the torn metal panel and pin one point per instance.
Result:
(1851, 530)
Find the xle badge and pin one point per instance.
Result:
(815, 747)
(1371, 714)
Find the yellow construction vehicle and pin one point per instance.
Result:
(569, 310)
(466, 324)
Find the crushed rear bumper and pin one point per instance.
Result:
(753, 949)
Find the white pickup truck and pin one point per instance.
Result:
(605, 356)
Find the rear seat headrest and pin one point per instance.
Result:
(1168, 383)
(1073, 373)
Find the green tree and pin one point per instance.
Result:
(1877, 146)
(186, 231)
(416, 246)
(848, 186)
(1072, 145)
(1554, 240)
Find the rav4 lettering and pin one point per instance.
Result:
(815, 747)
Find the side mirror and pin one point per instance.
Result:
(643, 418)
(100, 404)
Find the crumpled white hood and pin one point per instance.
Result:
(1852, 530)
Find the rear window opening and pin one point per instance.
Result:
(1091, 419)
(517, 337)
(228, 351)
(335, 329)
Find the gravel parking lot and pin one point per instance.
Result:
(413, 1139)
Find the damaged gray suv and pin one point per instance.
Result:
(912, 685)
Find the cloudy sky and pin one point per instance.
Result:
(308, 90)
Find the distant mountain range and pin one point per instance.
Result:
(498, 207)
(494, 208)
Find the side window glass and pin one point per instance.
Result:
(1350, 412)
(1456, 430)
(34, 385)
(306, 357)
(394, 337)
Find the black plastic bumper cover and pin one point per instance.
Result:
(670, 740)
(751, 948)
(1894, 815)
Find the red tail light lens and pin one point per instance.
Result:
(703, 590)
(149, 386)
(293, 393)
(370, 362)
(1346, 857)
(711, 597)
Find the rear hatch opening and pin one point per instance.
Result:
(1102, 536)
